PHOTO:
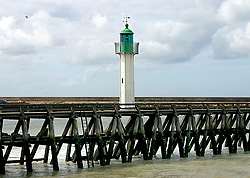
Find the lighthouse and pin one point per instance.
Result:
(127, 49)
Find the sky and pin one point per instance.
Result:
(66, 48)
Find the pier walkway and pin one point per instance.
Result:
(155, 125)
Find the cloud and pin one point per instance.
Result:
(85, 37)
(31, 36)
(232, 42)
(99, 20)
(234, 11)
(176, 41)
(90, 72)
(13, 39)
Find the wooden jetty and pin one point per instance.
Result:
(154, 125)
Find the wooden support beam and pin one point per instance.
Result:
(162, 138)
(52, 139)
(196, 137)
(212, 134)
(2, 162)
(179, 136)
(166, 127)
(243, 132)
(22, 151)
(153, 137)
(171, 138)
(134, 136)
(188, 135)
(13, 137)
(64, 134)
(111, 132)
(100, 141)
(77, 140)
(236, 134)
(43, 132)
(143, 139)
(25, 147)
(221, 137)
(46, 151)
(228, 126)
(68, 152)
(204, 140)
(122, 141)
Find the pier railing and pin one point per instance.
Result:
(151, 128)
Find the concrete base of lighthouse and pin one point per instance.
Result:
(127, 93)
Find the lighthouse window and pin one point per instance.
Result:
(126, 38)
(122, 80)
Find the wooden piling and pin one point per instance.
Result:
(188, 135)
(214, 122)
(77, 140)
(52, 140)
(2, 161)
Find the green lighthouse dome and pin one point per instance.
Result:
(126, 31)
(126, 40)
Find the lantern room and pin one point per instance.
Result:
(126, 40)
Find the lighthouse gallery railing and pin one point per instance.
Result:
(135, 48)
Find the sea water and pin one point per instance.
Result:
(224, 165)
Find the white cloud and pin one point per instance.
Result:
(232, 43)
(90, 72)
(13, 39)
(98, 20)
(63, 38)
(176, 41)
(234, 11)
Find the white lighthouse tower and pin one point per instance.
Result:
(127, 48)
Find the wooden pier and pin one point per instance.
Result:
(154, 125)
